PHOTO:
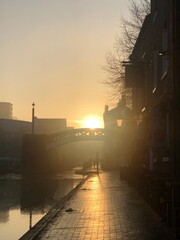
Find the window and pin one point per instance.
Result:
(167, 130)
(154, 9)
(155, 69)
(164, 50)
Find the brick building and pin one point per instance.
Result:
(153, 73)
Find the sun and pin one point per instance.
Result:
(92, 122)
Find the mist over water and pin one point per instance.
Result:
(26, 198)
(24, 201)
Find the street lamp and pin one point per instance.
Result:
(30, 212)
(33, 110)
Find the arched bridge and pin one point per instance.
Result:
(73, 135)
(36, 149)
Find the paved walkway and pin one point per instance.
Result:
(105, 208)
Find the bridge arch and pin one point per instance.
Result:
(74, 135)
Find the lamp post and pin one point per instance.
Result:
(30, 212)
(33, 110)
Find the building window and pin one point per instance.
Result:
(155, 10)
(155, 69)
(167, 130)
(164, 50)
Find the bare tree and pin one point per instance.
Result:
(124, 43)
(131, 27)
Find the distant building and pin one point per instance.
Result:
(11, 132)
(15, 126)
(118, 116)
(6, 110)
(117, 138)
(49, 125)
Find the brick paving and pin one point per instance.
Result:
(105, 208)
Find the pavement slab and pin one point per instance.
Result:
(105, 208)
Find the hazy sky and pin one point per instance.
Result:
(52, 53)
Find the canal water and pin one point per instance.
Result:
(23, 202)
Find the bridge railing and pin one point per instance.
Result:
(72, 135)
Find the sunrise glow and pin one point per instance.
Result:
(92, 122)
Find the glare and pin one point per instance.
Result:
(92, 122)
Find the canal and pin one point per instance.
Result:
(23, 202)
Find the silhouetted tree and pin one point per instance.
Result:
(124, 43)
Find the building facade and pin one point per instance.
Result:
(6, 110)
(118, 126)
(49, 125)
(153, 73)
(11, 133)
